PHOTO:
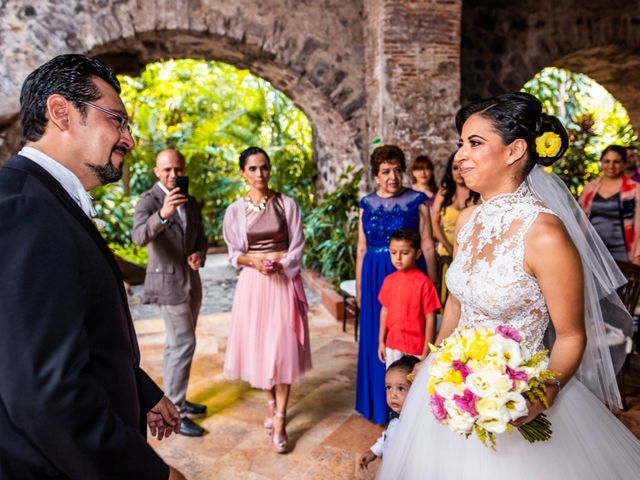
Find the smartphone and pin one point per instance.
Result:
(182, 182)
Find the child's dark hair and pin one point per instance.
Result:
(407, 235)
(404, 363)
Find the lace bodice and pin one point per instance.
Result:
(488, 276)
(382, 216)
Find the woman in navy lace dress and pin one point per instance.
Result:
(383, 212)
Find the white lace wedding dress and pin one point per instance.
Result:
(488, 278)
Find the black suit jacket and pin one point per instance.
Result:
(73, 399)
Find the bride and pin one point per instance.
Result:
(523, 258)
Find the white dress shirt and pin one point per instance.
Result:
(382, 441)
(69, 181)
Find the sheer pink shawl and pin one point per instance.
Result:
(234, 230)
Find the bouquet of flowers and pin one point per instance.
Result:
(480, 380)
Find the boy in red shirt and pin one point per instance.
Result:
(409, 302)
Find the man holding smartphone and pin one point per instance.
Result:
(169, 222)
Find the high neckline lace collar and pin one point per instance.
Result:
(508, 198)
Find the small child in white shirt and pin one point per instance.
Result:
(397, 385)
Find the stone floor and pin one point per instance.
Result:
(326, 435)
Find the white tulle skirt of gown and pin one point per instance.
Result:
(588, 442)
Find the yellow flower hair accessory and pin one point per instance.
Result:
(548, 144)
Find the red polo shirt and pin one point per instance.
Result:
(408, 296)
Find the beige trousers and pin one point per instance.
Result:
(180, 323)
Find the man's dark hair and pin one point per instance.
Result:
(68, 75)
(407, 235)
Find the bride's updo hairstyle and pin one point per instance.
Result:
(520, 115)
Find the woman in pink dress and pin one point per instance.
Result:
(268, 344)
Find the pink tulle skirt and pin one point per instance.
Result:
(269, 339)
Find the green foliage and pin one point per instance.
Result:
(132, 253)
(331, 230)
(116, 210)
(592, 117)
(210, 111)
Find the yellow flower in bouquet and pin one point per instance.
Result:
(454, 377)
(432, 385)
(478, 348)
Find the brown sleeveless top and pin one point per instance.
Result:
(267, 229)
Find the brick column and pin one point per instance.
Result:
(412, 54)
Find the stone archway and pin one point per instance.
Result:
(503, 46)
(616, 69)
(320, 69)
(359, 69)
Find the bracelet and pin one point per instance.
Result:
(554, 382)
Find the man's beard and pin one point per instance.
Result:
(108, 173)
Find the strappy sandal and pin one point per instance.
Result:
(280, 443)
(268, 421)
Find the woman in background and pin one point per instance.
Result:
(382, 212)
(268, 344)
(423, 178)
(453, 197)
(611, 203)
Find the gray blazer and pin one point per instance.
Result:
(169, 279)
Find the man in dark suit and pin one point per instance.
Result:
(170, 223)
(74, 402)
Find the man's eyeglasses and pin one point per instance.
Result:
(123, 119)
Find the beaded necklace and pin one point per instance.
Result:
(260, 206)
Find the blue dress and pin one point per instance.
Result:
(380, 218)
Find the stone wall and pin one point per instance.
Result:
(9, 139)
(359, 69)
(312, 51)
(504, 44)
